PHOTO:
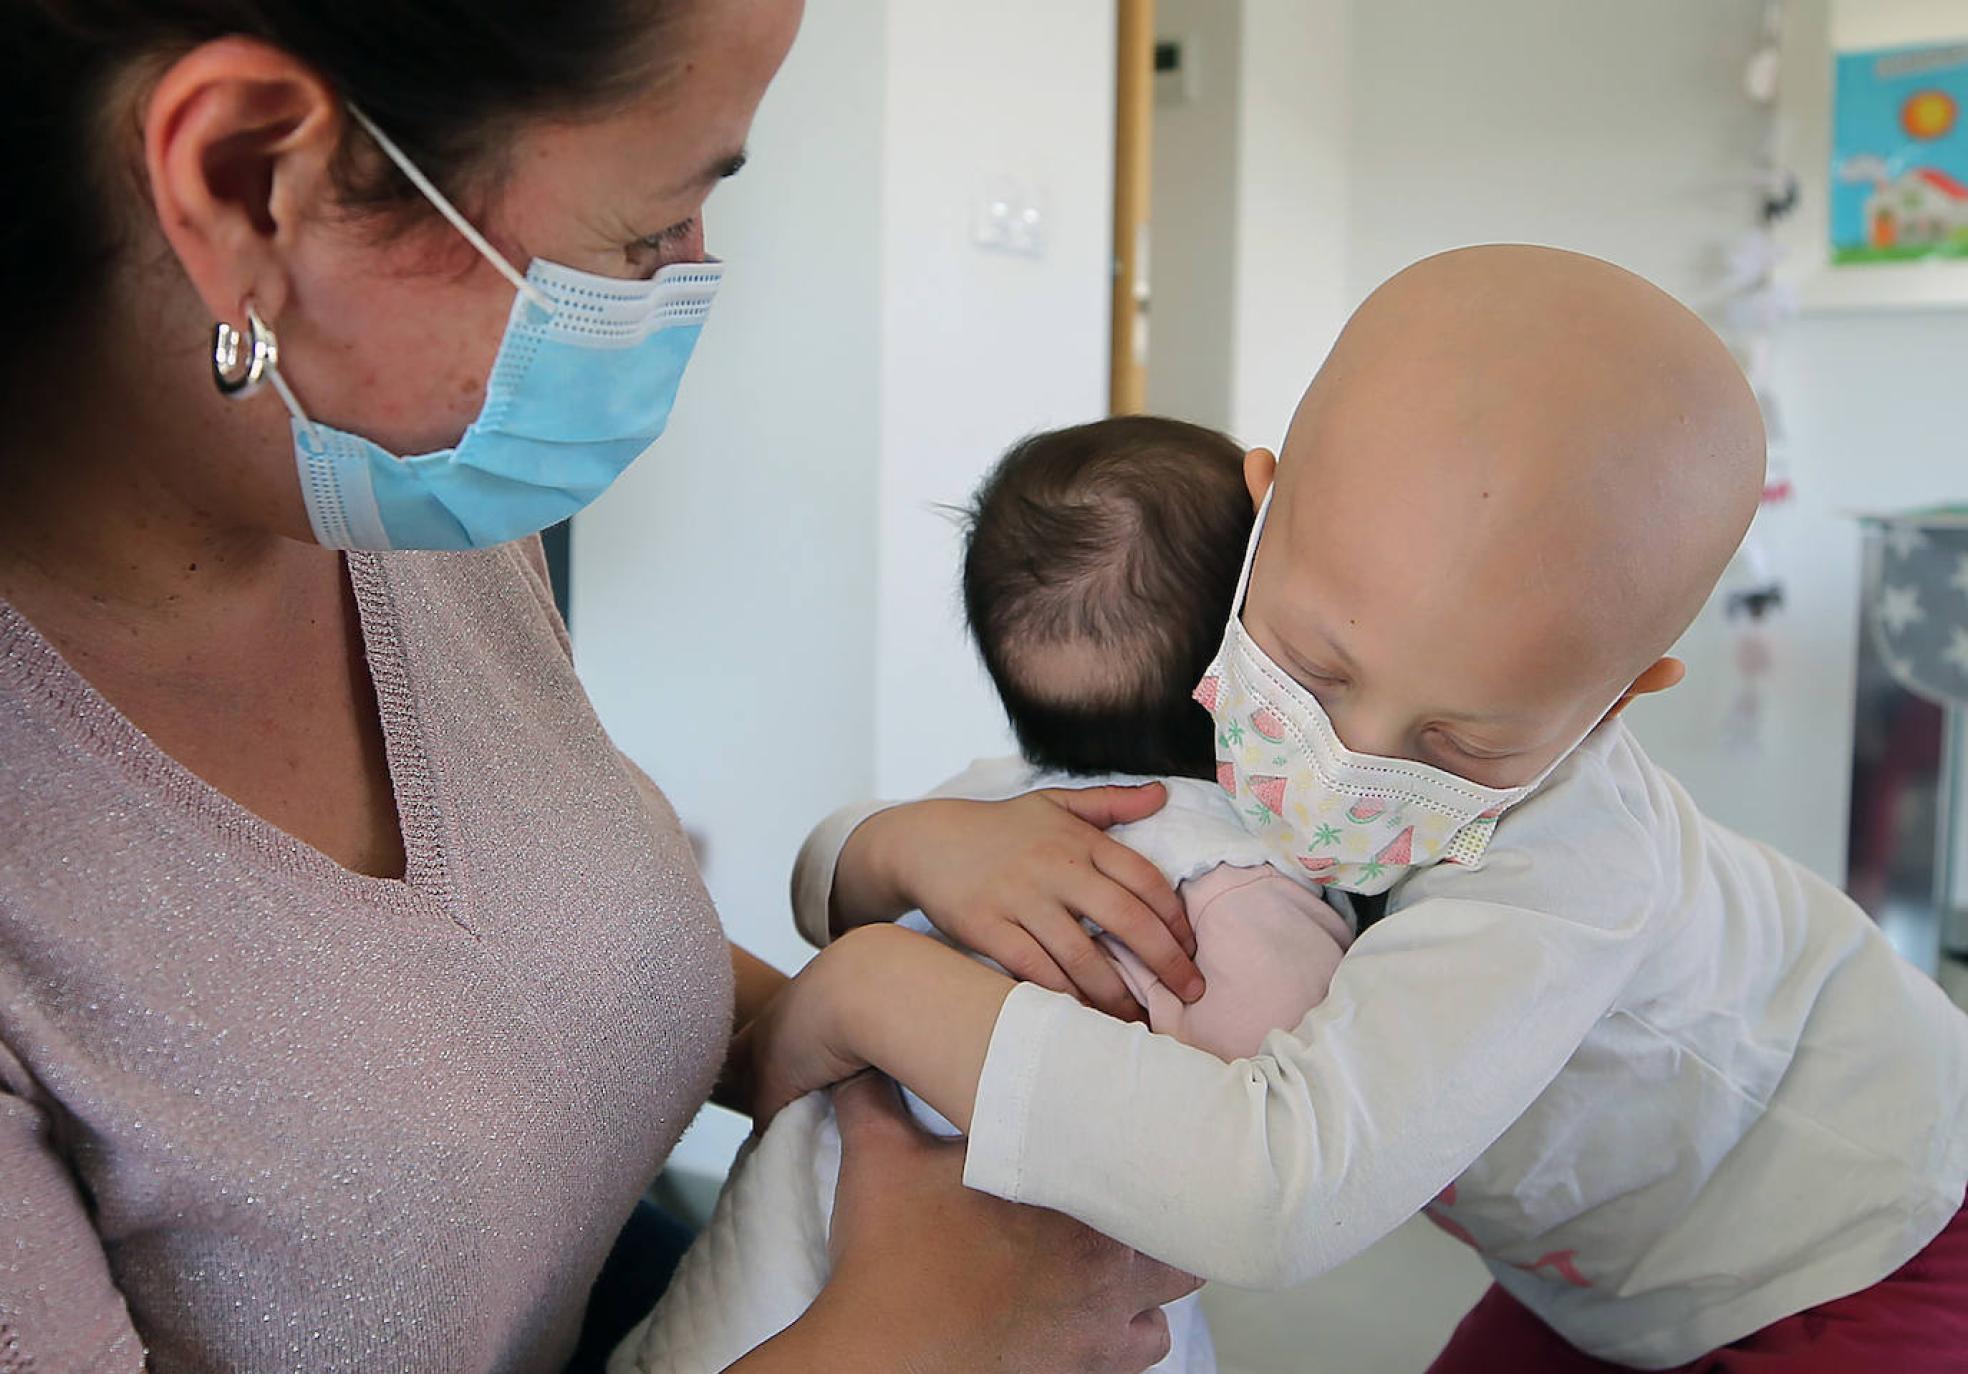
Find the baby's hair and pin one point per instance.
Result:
(1099, 564)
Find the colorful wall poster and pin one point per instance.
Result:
(1899, 160)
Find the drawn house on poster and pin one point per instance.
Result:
(1923, 208)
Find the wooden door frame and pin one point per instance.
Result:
(1134, 115)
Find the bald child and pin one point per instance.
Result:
(1680, 1095)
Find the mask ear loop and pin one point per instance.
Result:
(1250, 553)
(293, 404)
(445, 208)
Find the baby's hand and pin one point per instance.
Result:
(1012, 879)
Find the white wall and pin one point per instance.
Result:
(1613, 128)
(979, 347)
(1862, 24)
(724, 589)
(1295, 186)
(1193, 215)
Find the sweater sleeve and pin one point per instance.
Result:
(1442, 1025)
(813, 871)
(59, 1308)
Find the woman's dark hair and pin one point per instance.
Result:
(1099, 566)
(445, 78)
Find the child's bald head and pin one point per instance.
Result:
(1504, 497)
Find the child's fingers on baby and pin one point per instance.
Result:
(1092, 972)
(1025, 959)
(1105, 806)
(1145, 881)
(1115, 910)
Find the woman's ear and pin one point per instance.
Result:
(1260, 470)
(1663, 674)
(238, 141)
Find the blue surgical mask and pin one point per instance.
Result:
(583, 383)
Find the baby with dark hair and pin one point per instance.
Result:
(1099, 566)
(1097, 573)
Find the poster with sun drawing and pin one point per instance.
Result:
(1899, 162)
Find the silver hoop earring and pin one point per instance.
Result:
(263, 353)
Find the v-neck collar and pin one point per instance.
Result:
(84, 715)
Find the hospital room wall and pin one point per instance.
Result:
(1295, 189)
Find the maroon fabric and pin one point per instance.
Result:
(1914, 1321)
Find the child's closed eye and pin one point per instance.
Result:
(1312, 676)
(1471, 751)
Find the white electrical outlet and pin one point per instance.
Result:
(1010, 218)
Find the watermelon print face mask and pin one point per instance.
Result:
(1356, 822)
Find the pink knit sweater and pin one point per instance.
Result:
(258, 1112)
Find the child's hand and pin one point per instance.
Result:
(795, 1045)
(1012, 879)
(913, 1007)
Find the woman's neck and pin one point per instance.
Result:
(142, 497)
(154, 534)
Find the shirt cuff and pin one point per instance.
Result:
(1000, 1117)
(813, 870)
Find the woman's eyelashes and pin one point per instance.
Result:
(653, 251)
(667, 238)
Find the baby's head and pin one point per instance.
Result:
(1098, 570)
(1508, 491)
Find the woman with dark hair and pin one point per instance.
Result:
(352, 985)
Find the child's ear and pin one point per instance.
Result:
(1664, 673)
(1260, 469)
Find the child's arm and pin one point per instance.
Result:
(1268, 946)
(1261, 1172)
(1007, 878)
(1443, 1024)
